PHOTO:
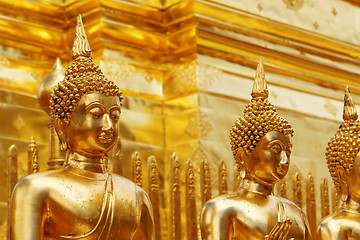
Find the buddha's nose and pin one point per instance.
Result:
(284, 160)
(107, 124)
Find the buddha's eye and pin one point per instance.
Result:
(275, 147)
(96, 112)
(115, 115)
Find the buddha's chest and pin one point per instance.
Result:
(254, 222)
(87, 211)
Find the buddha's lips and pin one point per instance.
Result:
(105, 137)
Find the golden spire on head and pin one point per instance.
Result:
(343, 147)
(81, 47)
(82, 77)
(260, 117)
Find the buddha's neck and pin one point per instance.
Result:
(352, 204)
(91, 164)
(254, 185)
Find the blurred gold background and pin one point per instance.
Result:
(186, 69)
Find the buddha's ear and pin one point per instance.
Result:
(60, 130)
(240, 155)
(344, 188)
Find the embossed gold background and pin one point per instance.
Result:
(186, 69)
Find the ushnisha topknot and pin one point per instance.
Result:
(82, 77)
(343, 147)
(260, 117)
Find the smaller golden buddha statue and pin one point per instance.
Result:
(343, 160)
(81, 200)
(260, 140)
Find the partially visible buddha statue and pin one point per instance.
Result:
(260, 140)
(343, 160)
(81, 200)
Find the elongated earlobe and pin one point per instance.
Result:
(60, 130)
(344, 188)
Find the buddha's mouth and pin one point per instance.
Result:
(282, 170)
(105, 138)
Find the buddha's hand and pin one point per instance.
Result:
(281, 230)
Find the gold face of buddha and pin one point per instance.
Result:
(93, 128)
(270, 159)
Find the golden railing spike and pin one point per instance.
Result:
(191, 213)
(311, 204)
(154, 194)
(175, 204)
(11, 179)
(334, 198)
(117, 164)
(297, 191)
(137, 169)
(324, 193)
(205, 179)
(33, 157)
(222, 178)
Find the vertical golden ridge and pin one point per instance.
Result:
(311, 204)
(334, 198)
(237, 177)
(222, 178)
(297, 190)
(191, 218)
(175, 198)
(33, 157)
(205, 179)
(137, 169)
(12, 180)
(154, 194)
(324, 193)
(118, 168)
(282, 191)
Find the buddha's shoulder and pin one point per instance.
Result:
(39, 180)
(124, 185)
(339, 223)
(226, 201)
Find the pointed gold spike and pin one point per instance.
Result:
(81, 46)
(33, 157)
(205, 178)
(311, 204)
(260, 89)
(191, 217)
(175, 198)
(137, 169)
(297, 197)
(154, 194)
(349, 106)
(222, 178)
(324, 194)
(334, 198)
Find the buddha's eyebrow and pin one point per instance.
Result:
(95, 104)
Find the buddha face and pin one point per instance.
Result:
(270, 159)
(92, 130)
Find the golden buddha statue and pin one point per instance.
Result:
(81, 200)
(261, 141)
(343, 160)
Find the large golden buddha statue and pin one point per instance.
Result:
(343, 160)
(82, 200)
(260, 140)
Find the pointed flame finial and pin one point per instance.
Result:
(260, 89)
(349, 106)
(81, 46)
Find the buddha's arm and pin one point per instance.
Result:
(215, 223)
(145, 228)
(28, 212)
(324, 233)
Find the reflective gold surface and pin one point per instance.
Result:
(342, 157)
(82, 200)
(262, 141)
